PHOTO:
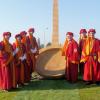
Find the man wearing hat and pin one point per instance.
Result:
(81, 44)
(90, 57)
(6, 62)
(1, 49)
(33, 47)
(98, 67)
(20, 59)
(26, 42)
(72, 58)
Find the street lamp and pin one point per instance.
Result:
(45, 36)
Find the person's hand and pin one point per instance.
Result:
(99, 60)
(34, 50)
(15, 51)
(22, 58)
(3, 65)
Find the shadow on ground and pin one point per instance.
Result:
(54, 85)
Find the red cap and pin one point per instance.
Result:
(6, 33)
(92, 30)
(69, 33)
(23, 33)
(31, 30)
(17, 35)
(83, 31)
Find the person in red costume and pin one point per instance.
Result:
(33, 48)
(27, 68)
(20, 59)
(7, 67)
(98, 67)
(82, 40)
(90, 57)
(72, 59)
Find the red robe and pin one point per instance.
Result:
(33, 45)
(90, 57)
(20, 64)
(98, 67)
(72, 60)
(81, 65)
(0, 70)
(27, 68)
(6, 66)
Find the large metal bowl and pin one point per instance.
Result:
(50, 63)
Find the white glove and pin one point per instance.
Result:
(23, 57)
(15, 51)
(34, 50)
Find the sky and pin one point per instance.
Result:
(19, 15)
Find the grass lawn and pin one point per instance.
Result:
(53, 90)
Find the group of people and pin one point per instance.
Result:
(82, 57)
(17, 60)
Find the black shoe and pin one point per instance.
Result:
(88, 83)
(98, 83)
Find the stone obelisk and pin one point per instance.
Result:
(55, 31)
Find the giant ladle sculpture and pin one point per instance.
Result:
(50, 63)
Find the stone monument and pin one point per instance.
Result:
(55, 33)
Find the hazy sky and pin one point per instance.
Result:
(19, 15)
